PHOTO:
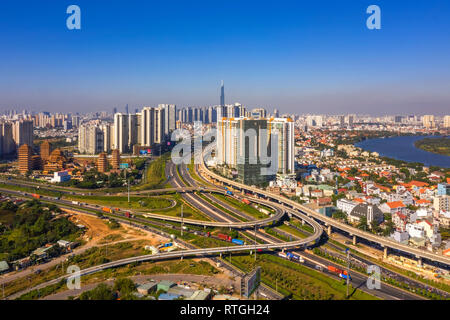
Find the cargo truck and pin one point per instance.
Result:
(224, 237)
(106, 209)
(238, 242)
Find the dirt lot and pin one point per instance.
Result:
(98, 232)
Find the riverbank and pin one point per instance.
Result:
(403, 148)
(435, 145)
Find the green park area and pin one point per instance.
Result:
(297, 281)
(435, 145)
(155, 175)
(244, 207)
(150, 203)
(32, 225)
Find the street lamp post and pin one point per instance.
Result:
(182, 220)
(348, 270)
(255, 242)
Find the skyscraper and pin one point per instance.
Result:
(159, 125)
(147, 125)
(121, 132)
(126, 109)
(284, 128)
(170, 112)
(7, 143)
(447, 122)
(90, 139)
(222, 94)
(134, 130)
(23, 132)
(428, 121)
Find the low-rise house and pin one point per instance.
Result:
(444, 219)
(324, 201)
(415, 230)
(427, 227)
(168, 296)
(201, 295)
(400, 221)
(165, 285)
(346, 205)
(401, 236)
(147, 288)
(393, 207)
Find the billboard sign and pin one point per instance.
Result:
(124, 166)
(252, 281)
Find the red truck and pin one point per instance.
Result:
(224, 237)
(37, 196)
(128, 215)
(336, 270)
(245, 201)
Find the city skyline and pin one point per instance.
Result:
(310, 57)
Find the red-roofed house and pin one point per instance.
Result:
(400, 220)
(393, 207)
(422, 203)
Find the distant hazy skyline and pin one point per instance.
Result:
(296, 56)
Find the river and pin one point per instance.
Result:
(402, 148)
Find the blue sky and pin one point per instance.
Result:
(298, 56)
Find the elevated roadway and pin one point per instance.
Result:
(330, 222)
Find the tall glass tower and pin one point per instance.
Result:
(222, 94)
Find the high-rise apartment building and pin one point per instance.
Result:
(7, 144)
(159, 125)
(108, 136)
(428, 121)
(170, 112)
(90, 139)
(121, 132)
(147, 125)
(23, 132)
(284, 129)
(259, 113)
(245, 144)
(76, 121)
(446, 121)
(134, 130)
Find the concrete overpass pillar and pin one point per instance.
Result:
(329, 230)
(242, 192)
(354, 240)
(385, 252)
(220, 255)
(181, 258)
(303, 222)
(419, 262)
